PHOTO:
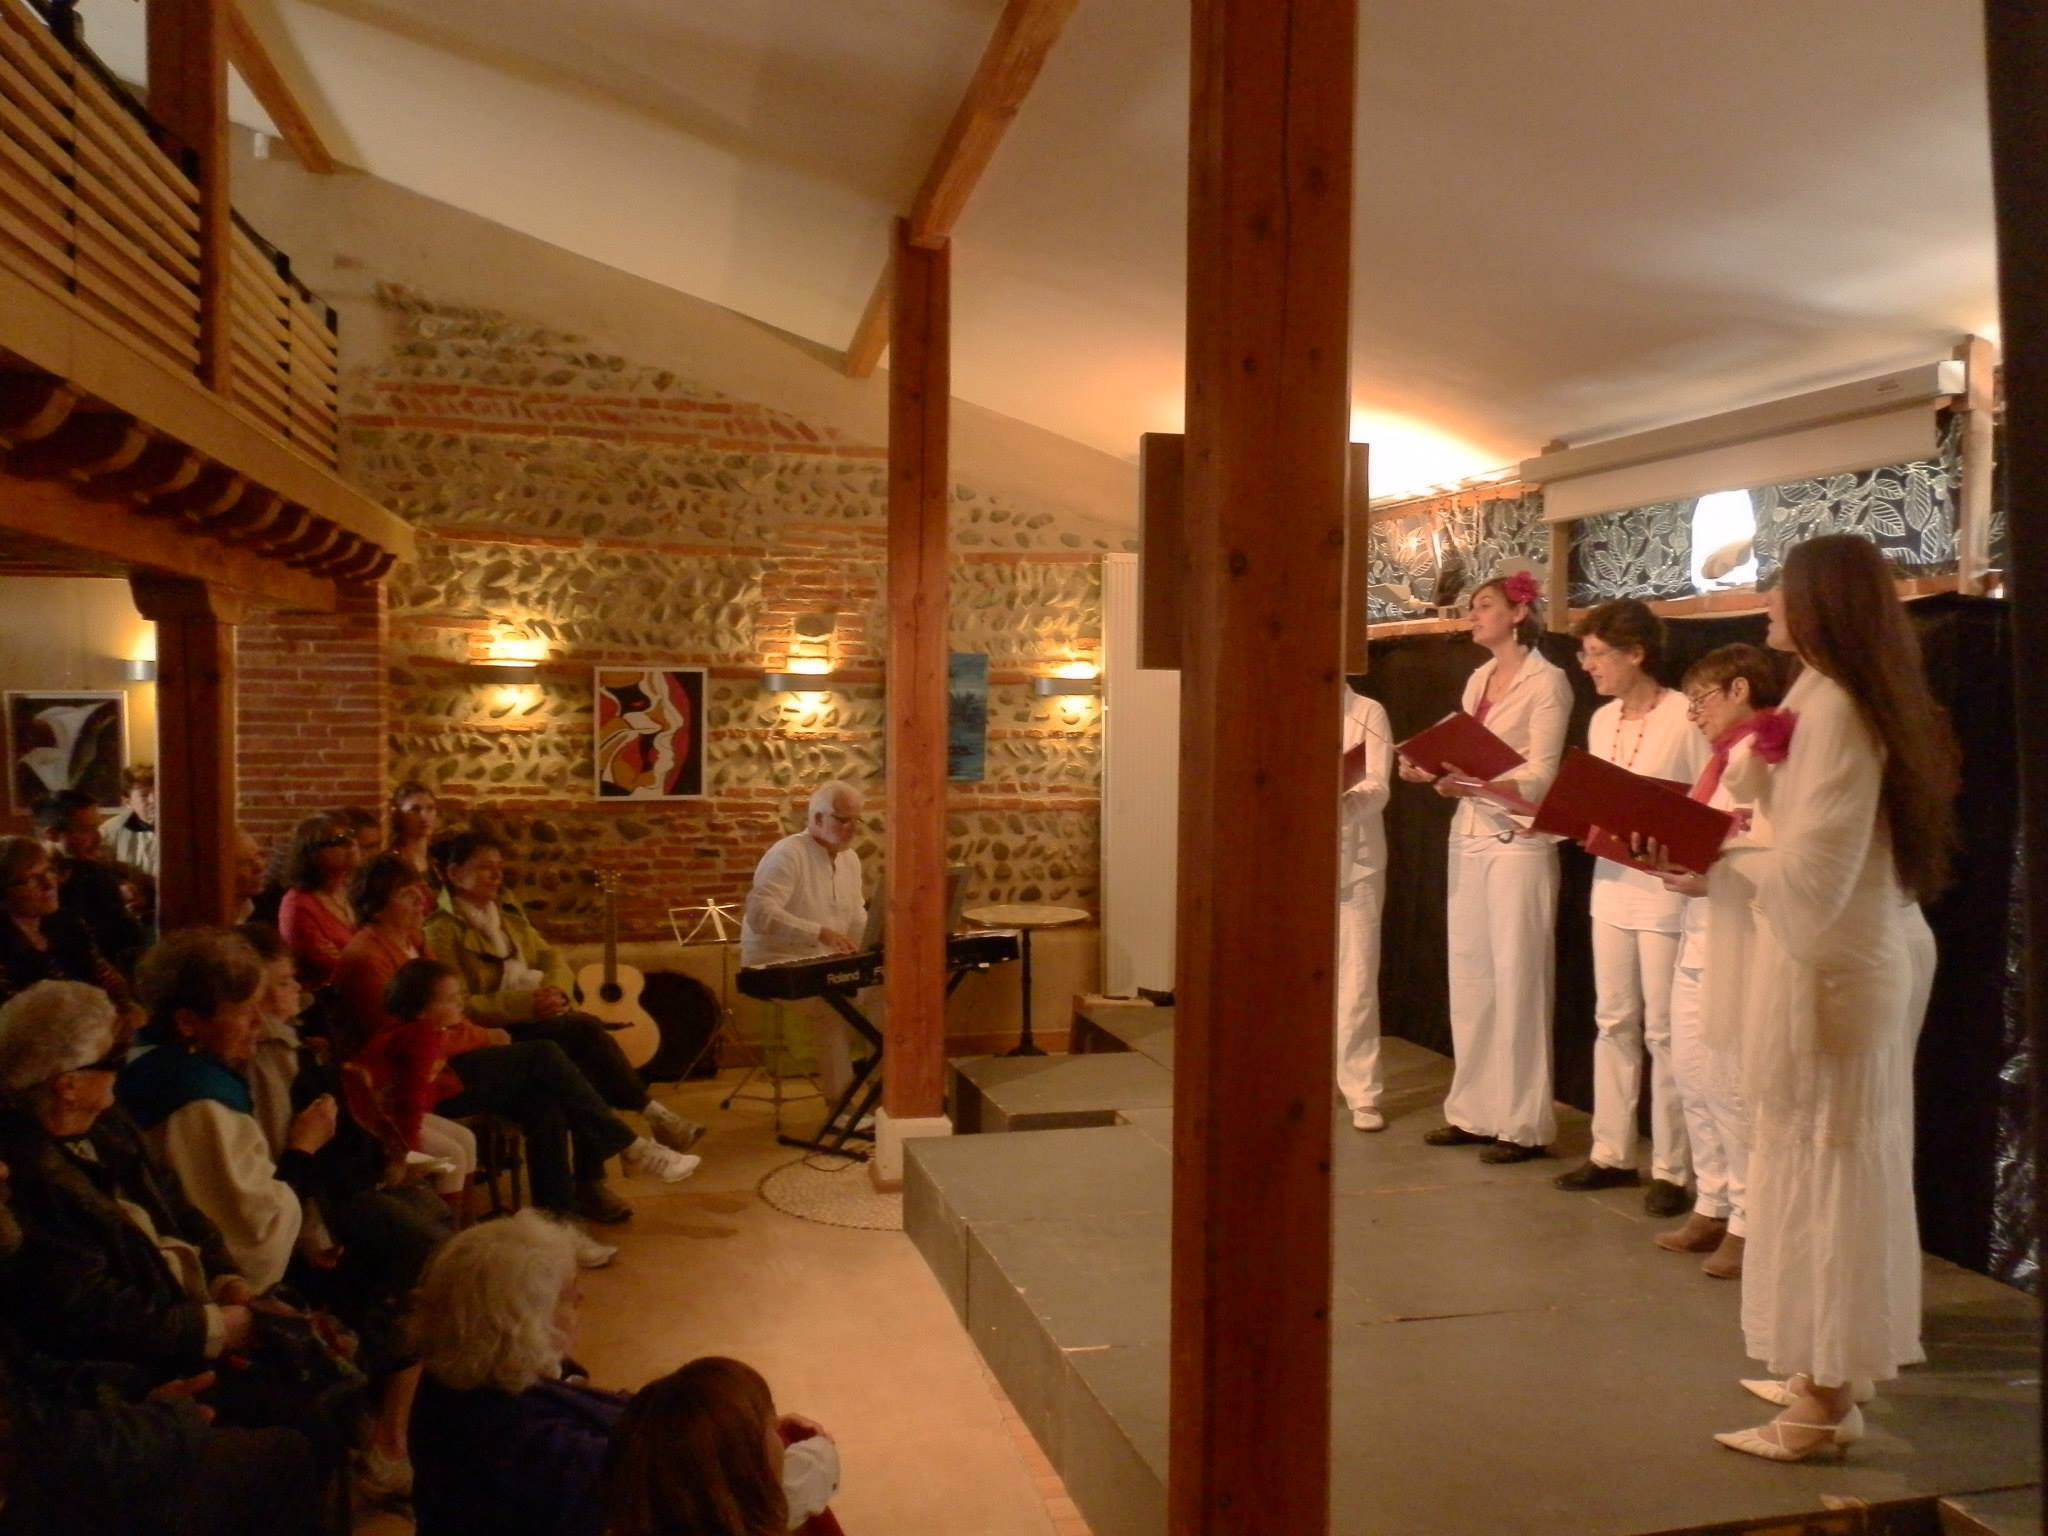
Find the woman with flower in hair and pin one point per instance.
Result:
(1861, 819)
(1501, 904)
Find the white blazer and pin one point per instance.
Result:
(1361, 824)
(1530, 717)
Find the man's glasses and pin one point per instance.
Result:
(113, 1063)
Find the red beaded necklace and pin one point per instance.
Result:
(1642, 730)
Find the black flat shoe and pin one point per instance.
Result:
(1455, 1136)
(1664, 1198)
(595, 1202)
(1512, 1152)
(1591, 1175)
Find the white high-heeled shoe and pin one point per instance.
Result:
(1783, 1392)
(1768, 1440)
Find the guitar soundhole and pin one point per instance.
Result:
(611, 992)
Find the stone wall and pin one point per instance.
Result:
(628, 515)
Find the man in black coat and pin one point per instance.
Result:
(68, 825)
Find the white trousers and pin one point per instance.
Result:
(831, 1044)
(440, 1137)
(1501, 913)
(1632, 1009)
(1358, 989)
(1710, 1086)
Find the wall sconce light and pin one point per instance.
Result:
(511, 659)
(800, 674)
(1074, 681)
(139, 669)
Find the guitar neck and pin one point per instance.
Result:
(611, 936)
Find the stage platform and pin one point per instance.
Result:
(1506, 1357)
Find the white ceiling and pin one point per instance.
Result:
(1575, 217)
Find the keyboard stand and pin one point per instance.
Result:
(861, 1096)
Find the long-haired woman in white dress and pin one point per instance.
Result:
(1861, 828)
(1501, 903)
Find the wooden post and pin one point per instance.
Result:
(920, 387)
(1268, 411)
(188, 94)
(195, 775)
(2016, 45)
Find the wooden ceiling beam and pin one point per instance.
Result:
(32, 406)
(257, 66)
(164, 468)
(1009, 67)
(59, 512)
(90, 443)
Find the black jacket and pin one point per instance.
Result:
(88, 1283)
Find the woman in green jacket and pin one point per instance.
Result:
(520, 983)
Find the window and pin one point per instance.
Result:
(1723, 541)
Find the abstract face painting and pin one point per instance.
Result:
(650, 733)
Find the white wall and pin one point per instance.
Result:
(1140, 797)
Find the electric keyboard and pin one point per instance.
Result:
(785, 981)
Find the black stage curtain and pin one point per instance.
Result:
(1418, 678)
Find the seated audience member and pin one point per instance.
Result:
(185, 1087)
(702, 1452)
(129, 835)
(38, 941)
(249, 878)
(68, 824)
(415, 814)
(505, 1437)
(517, 981)
(92, 1446)
(366, 828)
(288, 1072)
(115, 1264)
(314, 869)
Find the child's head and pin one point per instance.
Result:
(424, 989)
(697, 1454)
(281, 999)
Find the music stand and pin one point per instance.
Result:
(718, 922)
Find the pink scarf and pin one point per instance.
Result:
(1772, 729)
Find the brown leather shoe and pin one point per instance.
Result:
(1726, 1261)
(1700, 1234)
(595, 1202)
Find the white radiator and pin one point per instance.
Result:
(1140, 796)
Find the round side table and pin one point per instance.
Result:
(1025, 917)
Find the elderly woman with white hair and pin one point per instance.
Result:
(807, 900)
(505, 1438)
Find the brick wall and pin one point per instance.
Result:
(312, 703)
(629, 515)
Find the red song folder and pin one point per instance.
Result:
(1459, 739)
(1591, 792)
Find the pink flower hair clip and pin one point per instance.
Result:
(1521, 589)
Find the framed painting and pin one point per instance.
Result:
(58, 741)
(650, 733)
(966, 718)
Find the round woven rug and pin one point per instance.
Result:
(832, 1191)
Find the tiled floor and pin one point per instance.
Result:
(848, 1326)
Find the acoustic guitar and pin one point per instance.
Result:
(610, 993)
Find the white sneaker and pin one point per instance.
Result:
(1368, 1120)
(672, 1130)
(590, 1253)
(659, 1162)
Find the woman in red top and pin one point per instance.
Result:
(315, 918)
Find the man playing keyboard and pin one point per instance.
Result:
(807, 901)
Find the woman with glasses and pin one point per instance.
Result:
(1862, 829)
(315, 917)
(1730, 695)
(38, 942)
(1643, 728)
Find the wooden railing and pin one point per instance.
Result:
(94, 211)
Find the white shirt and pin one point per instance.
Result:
(1661, 745)
(1530, 717)
(800, 890)
(1692, 949)
(1362, 827)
